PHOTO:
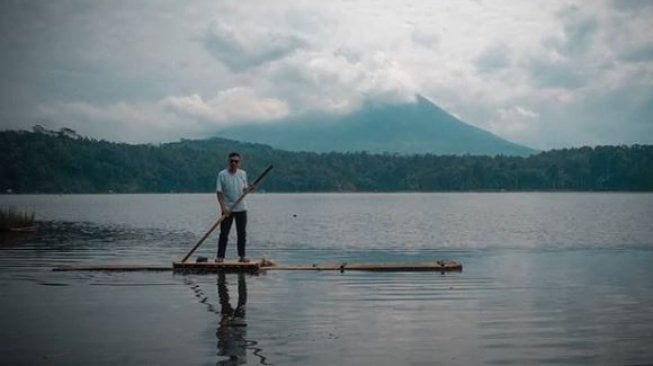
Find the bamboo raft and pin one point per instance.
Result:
(264, 265)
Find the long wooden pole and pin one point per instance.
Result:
(242, 196)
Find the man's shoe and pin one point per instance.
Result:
(243, 260)
(219, 260)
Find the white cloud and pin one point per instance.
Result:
(338, 82)
(244, 46)
(228, 106)
(516, 123)
(164, 120)
(116, 122)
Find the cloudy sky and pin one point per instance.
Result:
(546, 74)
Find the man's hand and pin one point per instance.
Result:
(225, 211)
(249, 188)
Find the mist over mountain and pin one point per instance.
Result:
(411, 128)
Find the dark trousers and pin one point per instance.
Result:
(225, 227)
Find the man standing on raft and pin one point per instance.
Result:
(231, 184)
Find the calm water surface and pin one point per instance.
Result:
(549, 278)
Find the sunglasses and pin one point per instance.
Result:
(234, 161)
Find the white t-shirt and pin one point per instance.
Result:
(232, 186)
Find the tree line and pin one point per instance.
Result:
(61, 161)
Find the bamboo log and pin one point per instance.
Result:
(253, 267)
(111, 268)
(439, 266)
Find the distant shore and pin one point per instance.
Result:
(46, 163)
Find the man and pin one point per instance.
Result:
(231, 184)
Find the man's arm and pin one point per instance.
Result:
(224, 210)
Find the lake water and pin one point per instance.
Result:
(548, 279)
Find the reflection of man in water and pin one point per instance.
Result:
(233, 329)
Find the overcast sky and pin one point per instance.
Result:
(546, 74)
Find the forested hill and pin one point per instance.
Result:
(62, 162)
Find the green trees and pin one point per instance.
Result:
(63, 162)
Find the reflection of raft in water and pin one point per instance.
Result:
(265, 265)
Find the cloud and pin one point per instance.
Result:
(632, 5)
(557, 74)
(639, 54)
(168, 119)
(115, 122)
(579, 32)
(515, 122)
(341, 80)
(425, 38)
(245, 46)
(493, 58)
(557, 64)
(228, 106)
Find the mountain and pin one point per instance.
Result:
(412, 128)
